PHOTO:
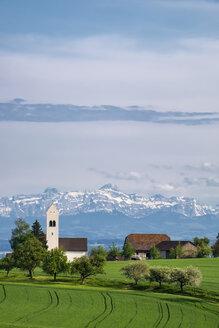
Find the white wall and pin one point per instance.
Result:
(52, 233)
(72, 255)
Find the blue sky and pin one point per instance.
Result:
(133, 52)
(160, 54)
(136, 18)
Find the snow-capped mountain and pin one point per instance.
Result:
(107, 199)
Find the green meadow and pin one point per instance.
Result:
(34, 306)
(209, 268)
(109, 300)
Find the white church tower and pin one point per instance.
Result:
(52, 227)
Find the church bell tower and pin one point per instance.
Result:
(52, 227)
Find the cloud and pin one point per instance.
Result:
(204, 167)
(165, 187)
(112, 69)
(200, 181)
(129, 176)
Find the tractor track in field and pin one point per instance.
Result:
(110, 312)
(103, 315)
(5, 295)
(168, 315)
(57, 298)
(160, 316)
(70, 299)
(181, 321)
(209, 310)
(33, 314)
(134, 316)
(200, 307)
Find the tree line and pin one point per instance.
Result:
(142, 271)
(29, 250)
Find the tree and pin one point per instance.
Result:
(189, 276)
(114, 251)
(154, 252)
(203, 248)
(215, 247)
(88, 267)
(39, 234)
(29, 254)
(55, 262)
(160, 274)
(128, 251)
(179, 251)
(172, 253)
(98, 251)
(136, 271)
(7, 264)
(200, 241)
(20, 233)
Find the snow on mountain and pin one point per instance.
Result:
(108, 199)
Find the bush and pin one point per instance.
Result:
(7, 264)
(137, 271)
(215, 247)
(113, 252)
(189, 276)
(98, 251)
(128, 251)
(160, 274)
(172, 253)
(203, 248)
(179, 251)
(155, 254)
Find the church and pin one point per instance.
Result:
(73, 247)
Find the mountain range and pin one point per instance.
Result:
(106, 199)
(110, 214)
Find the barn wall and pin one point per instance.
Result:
(163, 254)
(189, 250)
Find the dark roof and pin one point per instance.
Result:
(73, 244)
(167, 245)
(141, 241)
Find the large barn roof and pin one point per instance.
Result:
(73, 244)
(140, 241)
(167, 245)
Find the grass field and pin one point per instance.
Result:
(209, 268)
(41, 306)
(109, 300)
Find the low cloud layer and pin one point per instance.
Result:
(18, 110)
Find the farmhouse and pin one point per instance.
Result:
(142, 243)
(188, 248)
(73, 247)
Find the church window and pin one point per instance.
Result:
(54, 223)
(50, 223)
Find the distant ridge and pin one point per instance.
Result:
(18, 110)
(106, 199)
